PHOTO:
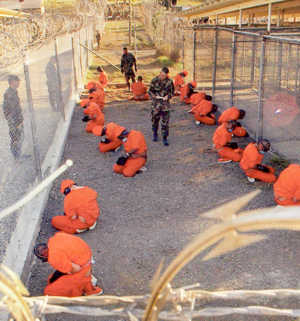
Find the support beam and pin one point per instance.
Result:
(240, 18)
(269, 16)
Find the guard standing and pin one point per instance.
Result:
(161, 91)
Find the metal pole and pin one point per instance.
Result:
(36, 152)
(259, 129)
(297, 68)
(194, 55)
(215, 57)
(240, 18)
(130, 22)
(134, 19)
(269, 16)
(183, 53)
(61, 102)
(80, 58)
(279, 65)
(233, 56)
(74, 66)
(253, 61)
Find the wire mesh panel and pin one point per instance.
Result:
(246, 78)
(65, 61)
(188, 59)
(47, 99)
(281, 104)
(223, 69)
(204, 57)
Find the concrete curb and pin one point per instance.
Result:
(18, 255)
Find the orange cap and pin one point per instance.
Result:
(185, 72)
(194, 84)
(84, 102)
(97, 130)
(66, 183)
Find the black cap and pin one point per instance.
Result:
(12, 78)
(165, 70)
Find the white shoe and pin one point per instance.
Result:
(93, 226)
(94, 280)
(250, 179)
(87, 229)
(143, 169)
(198, 123)
(224, 161)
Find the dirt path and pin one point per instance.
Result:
(153, 216)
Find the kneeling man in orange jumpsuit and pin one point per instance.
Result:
(102, 77)
(139, 90)
(196, 98)
(71, 257)
(204, 113)
(187, 91)
(94, 117)
(222, 142)
(287, 186)
(97, 96)
(179, 82)
(251, 162)
(234, 113)
(80, 208)
(110, 142)
(136, 154)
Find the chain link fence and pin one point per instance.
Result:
(43, 67)
(245, 68)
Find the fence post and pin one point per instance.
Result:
(183, 53)
(80, 58)
(259, 128)
(74, 65)
(279, 65)
(297, 69)
(36, 152)
(215, 57)
(233, 55)
(194, 55)
(253, 61)
(61, 102)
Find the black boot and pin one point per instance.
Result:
(165, 141)
(155, 137)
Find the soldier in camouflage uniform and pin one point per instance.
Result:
(13, 114)
(161, 91)
(127, 62)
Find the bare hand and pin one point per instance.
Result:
(75, 268)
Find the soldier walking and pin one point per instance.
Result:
(161, 91)
(14, 116)
(128, 61)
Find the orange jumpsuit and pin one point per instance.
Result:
(96, 115)
(233, 113)
(287, 186)
(220, 139)
(135, 144)
(113, 130)
(178, 84)
(183, 93)
(196, 98)
(201, 112)
(103, 79)
(63, 250)
(81, 210)
(251, 158)
(139, 91)
(98, 97)
(93, 85)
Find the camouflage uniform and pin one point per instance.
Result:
(127, 63)
(13, 114)
(161, 108)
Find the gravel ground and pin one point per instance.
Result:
(154, 215)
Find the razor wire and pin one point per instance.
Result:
(19, 35)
